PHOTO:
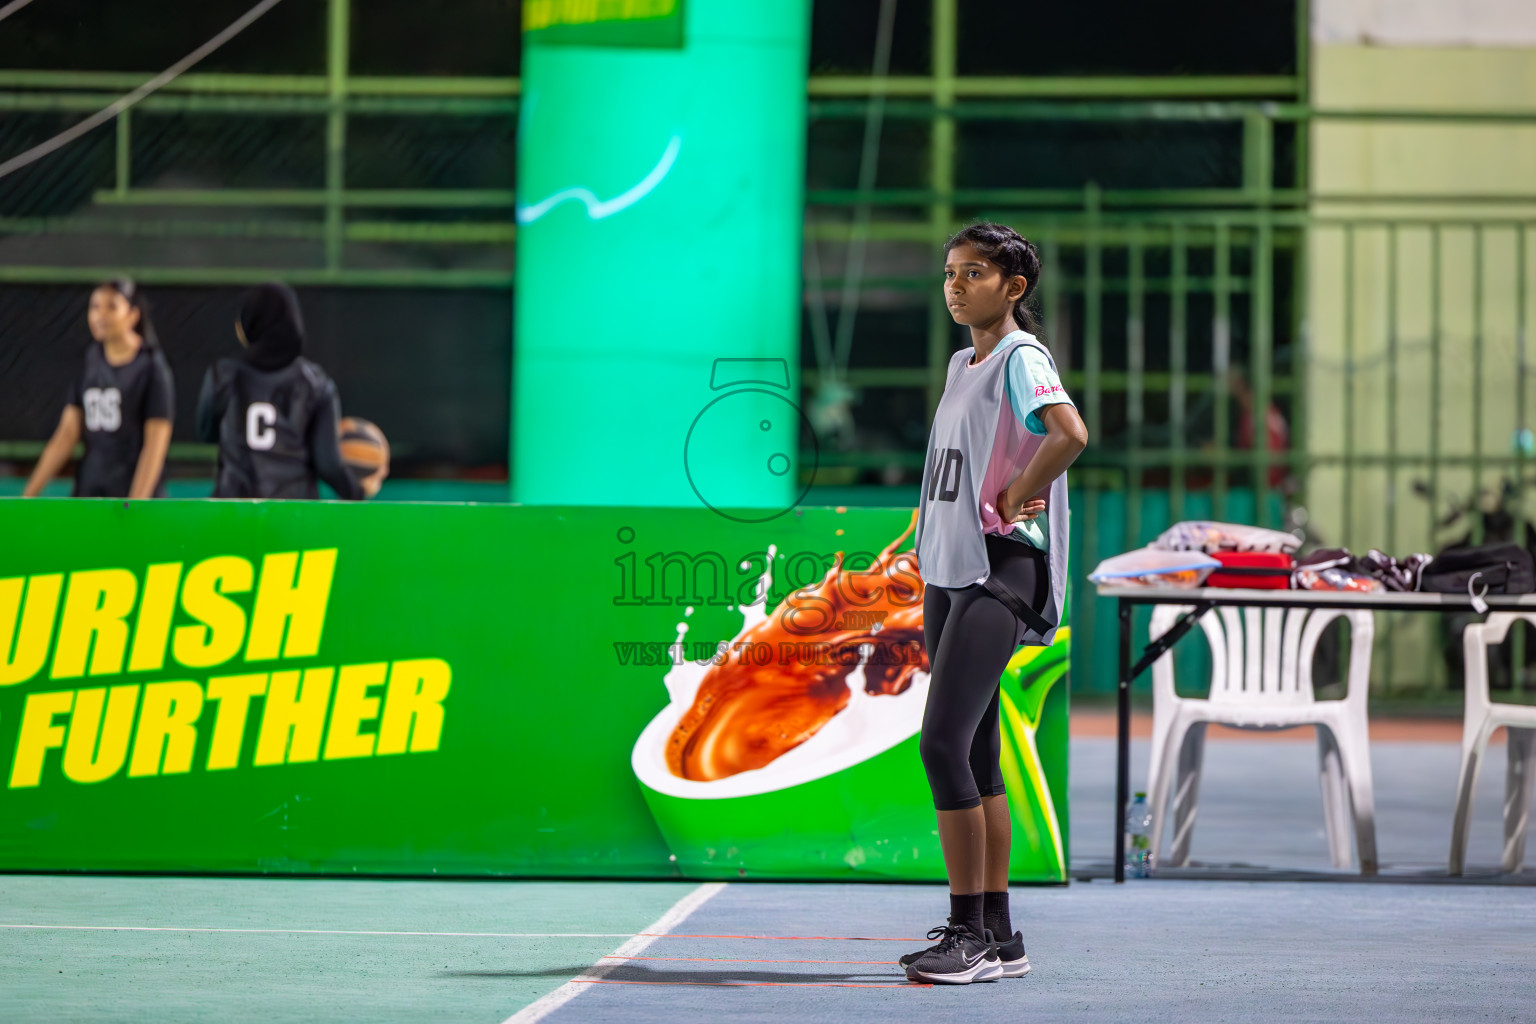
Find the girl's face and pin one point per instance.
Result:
(975, 289)
(111, 316)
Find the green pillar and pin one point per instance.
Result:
(660, 202)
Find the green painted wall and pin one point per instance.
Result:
(1380, 381)
(1398, 158)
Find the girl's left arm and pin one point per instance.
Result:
(1065, 438)
(159, 407)
(157, 439)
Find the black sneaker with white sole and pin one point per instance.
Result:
(959, 958)
(1012, 956)
(908, 959)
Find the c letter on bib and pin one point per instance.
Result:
(260, 417)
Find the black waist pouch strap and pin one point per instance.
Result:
(1016, 604)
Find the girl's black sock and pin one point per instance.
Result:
(966, 909)
(995, 915)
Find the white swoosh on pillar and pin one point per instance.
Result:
(597, 208)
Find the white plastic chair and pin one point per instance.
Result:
(1483, 716)
(1261, 678)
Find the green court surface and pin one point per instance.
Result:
(197, 949)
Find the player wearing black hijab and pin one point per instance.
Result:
(274, 413)
(121, 405)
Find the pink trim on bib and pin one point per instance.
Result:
(1012, 448)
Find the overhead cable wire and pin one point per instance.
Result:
(869, 161)
(12, 7)
(161, 80)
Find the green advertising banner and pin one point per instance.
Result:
(317, 687)
(652, 23)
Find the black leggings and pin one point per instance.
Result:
(970, 635)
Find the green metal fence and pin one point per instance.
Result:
(1377, 468)
(1160, 301)
(1180, 314)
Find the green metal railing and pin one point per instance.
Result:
(336, 96)
(1083, 225)
(1160, 302)
(1246, 310)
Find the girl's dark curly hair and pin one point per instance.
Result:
(1016, 255)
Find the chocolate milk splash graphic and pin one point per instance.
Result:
(744, 715)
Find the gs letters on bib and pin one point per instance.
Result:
(115, 402)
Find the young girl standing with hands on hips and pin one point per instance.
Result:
(992, 551)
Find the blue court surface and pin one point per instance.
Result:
(115, 949)
(101, 948)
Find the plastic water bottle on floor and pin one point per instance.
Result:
(1138, 838)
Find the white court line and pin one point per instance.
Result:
(547, 1004)
(313, 931)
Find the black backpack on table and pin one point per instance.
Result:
(1502, 568)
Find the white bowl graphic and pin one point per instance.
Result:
(851, 798)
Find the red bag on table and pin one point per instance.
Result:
(1252, 570)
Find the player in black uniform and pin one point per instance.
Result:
(122, 405)
(273, 412)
